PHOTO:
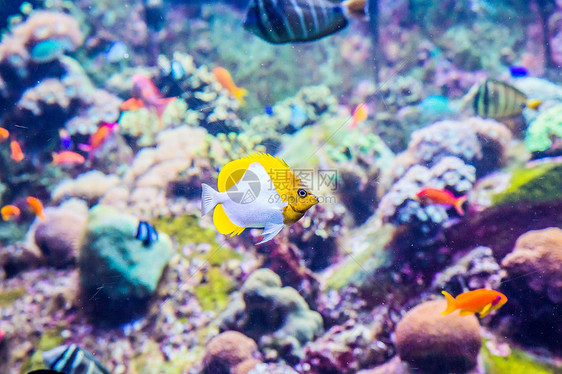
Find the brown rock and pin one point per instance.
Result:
(434, 343)
(230, 353)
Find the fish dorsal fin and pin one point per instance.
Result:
(223, 224)
(486, 310)
(281, 175)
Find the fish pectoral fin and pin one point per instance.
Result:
(223, 224)
(486, 310)
(466, 312)
(270, 231)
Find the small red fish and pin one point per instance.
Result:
(4, 134)
(68, 158)
(360, 114)
(9, 212)
(36, 206)
(98, 138)
(481, 301)
(225, 79)
(16, 152)
(147, 95)
(442, 197)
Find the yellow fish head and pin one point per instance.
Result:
(299, 201)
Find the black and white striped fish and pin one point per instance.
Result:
(71, 359)
(287, 21)
(146, 233)
(497, 100)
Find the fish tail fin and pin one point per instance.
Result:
(533, 104)
(240, 94)
(458, 205)
(161, 106)
(451, 303)
(355, 8)
(54, 155)
(85, 147)
(209, 198)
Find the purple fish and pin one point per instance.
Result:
(65, 140)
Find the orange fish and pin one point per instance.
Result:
(4, 134)
(36, 206)
(98, 138)
(442, 197)
(17, 154)
(68, 158)
(147, 95)
(360, 114)
(481, 301)
(9, 212)
(223, 77)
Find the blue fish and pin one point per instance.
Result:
(518, 71)
(298, 116)
(146, 233)
(116, 52)
(71, 359)
(50, 49)
(268, 110)
(65, 140)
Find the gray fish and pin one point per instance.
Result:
(287, 21)
(71, 359)
(497, 100)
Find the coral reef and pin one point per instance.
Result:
(545, 131)
(277, 318)
(230, 353)
(118, 274)
(434, 343)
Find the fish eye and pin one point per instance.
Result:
(302, 193)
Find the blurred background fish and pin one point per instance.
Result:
(71, 359)
(146, 233)
(288, 21)
(495, 99)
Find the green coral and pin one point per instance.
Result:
(49, 340)
(517, 362)
(540, 183)
(7, 298)
(354, 265)
(213, 294)
(546, 127)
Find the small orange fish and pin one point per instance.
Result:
(36, 206)
(4, 134)
(442, 197)
(17, 154)
(481, 301)
(360, 114)
(147, 95)
(68, 158)
(223, 77)
(98, 138)
(9, 212)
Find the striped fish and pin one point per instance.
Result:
(287, 21)
(146, 233)
(71, 359)
(497, 100)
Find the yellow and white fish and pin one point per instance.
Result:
(257, 191)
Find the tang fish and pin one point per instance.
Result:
(288, 21)
(442, 197)
(16, 152)
(98, 138)
(257, 191)
(481, 301)
(4, 134)
(497, 100)
(146, 233)
(359, 115)
(71, 359)
(223, 77)
(146, 94)
(518, 71)
(10, 212)
(68, 158)
(36, 206)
